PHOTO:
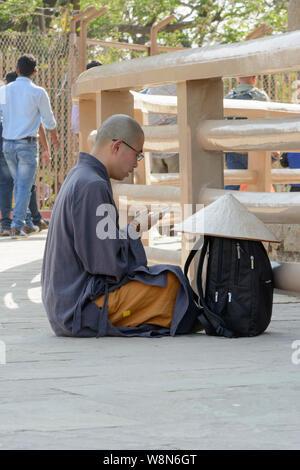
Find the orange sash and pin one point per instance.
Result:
(136, 303)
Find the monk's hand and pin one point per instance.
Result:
(142, 222)
(145, 220)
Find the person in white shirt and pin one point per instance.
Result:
(23, 106)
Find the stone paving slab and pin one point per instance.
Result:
(187, 392)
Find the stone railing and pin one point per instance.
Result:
(202, 134)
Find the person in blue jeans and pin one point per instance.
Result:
(23, 106)
(33, 217)
(7, 183)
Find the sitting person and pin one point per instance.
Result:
(95, 278)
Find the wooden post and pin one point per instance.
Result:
(82, 46)
(261, 163)
(154, 31)
(83, 37)
(114, 102)
(109, 103)
(87, 119)
(77, 17)
(96, 108)
(140, 171)
(199, 169)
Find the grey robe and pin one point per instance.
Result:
(78, 267)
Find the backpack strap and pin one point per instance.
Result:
(192, 255)
(189, 259)
(212, 323)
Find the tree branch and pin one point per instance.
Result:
(139, 29)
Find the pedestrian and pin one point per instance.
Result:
(33, 218)
(95, 278)
(24, 106)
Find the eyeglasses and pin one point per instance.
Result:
(139, 156)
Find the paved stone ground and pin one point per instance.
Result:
(189, 392)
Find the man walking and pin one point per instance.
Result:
(23, 106)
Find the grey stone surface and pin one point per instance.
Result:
(289, 248)
(188, 392)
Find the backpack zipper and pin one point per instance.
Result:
(252, 264)
(237, 264)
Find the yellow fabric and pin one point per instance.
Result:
(136, 303)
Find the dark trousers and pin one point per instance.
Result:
(236, 161)
(35, 215)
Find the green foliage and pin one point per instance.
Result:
(200, 21)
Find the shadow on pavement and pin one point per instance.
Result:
(20, 291)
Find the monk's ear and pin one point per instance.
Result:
(115, 145)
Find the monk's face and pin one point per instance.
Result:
(127, 157)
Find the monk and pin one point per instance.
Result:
(95, 278)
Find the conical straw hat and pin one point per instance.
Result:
(228, 218)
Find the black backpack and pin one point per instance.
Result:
(240, 96)
(239, 287)
(246, 95)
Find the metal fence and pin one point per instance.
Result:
(58, 67)
(280, 87)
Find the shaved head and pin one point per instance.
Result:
(118, 143)
(118, 126)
